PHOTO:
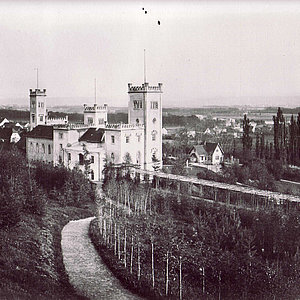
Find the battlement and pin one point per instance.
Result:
(72, 126)
(95, 108)
(121, 126)
(145, 88)
(37, 92)
(58, 121)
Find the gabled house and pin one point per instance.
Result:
(3, 121)
(207, 154)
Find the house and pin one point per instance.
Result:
(191, 133)
(207, 131)
(253, 125)
(164, 131)
(207, 154)
(3, 121)
(9, 135)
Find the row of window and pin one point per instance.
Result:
(91, 121)
(138, 104)
(42, 148)
(40, 116)
(40, 104)
(127, 139)
(138, 157)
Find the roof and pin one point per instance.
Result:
(42, 132)
(5, 133)
(93, 135)
(206, 149)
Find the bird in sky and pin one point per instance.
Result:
(158, 22)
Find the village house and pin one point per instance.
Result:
(206, 154)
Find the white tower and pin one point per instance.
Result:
(38, 109)
(145, 107)
(95, 115)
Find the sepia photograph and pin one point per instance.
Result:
(150, 150)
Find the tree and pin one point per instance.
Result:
(247, 140)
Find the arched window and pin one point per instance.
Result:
(112, 156)
(137, 121)
(92, 175)
(154, 120)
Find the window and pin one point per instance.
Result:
(37, 148)
(137, 121)
(154, 105)
(81, 159)
(217, 157)
(31, 146)
(112, 157)
(100, 121)
(33, 118)
(92, 175)
(43, 148)
(41, 118)
(138, 157)
(60, 146)
(49, 149)
(90, 121)
(42, 104)
(39, 104)
(153, 133)
(137, 104)
(154, 120)
(69, 156)
(92, 159)
(60, 135)
(60, 159)
(139, 138)
(112, 139)
(127, 139)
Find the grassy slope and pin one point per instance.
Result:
(31, 265)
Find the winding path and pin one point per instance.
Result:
(87, 272)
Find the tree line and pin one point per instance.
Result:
(28, 187)
(285, 146)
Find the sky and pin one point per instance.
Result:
(204, 52)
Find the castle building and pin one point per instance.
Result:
(96, 142)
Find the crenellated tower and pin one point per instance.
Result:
(95, 115)
(145, 107)
(38, 109)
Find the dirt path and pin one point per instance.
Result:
(87, 272)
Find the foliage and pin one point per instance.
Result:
(28, 188)
(232, 253)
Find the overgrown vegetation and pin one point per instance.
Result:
(35, 203)
(165, 246)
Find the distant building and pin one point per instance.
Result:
(3, 121)
(9, 135)
(206, 154)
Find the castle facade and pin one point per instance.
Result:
(95, 141)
